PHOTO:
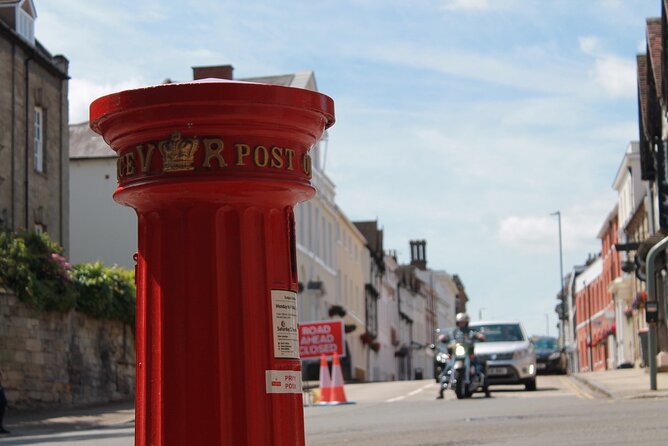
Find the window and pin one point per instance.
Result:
(39, 140)
(25, 26)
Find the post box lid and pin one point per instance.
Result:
(208, 91)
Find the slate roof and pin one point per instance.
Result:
(86, 144)
(299, 80)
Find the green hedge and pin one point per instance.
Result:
(34, 267)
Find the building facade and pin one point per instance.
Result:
(391, 336)
(633, 229)
(590, 293)
(611, 273)
(34, 171)
(372, 289)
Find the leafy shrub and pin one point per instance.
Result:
(105, 293)
(33, 266)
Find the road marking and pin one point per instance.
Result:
(578, 392)
(413, 393)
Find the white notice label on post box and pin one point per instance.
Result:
(283, 381)
(286, 336)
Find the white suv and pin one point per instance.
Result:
(508, 353)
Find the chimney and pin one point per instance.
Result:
(217, 72)
(419, 254)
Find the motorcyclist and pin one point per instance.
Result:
(459, 334)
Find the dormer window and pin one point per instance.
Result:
(20, 15)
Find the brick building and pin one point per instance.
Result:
(595, 312)
(33, 127)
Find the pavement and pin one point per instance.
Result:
(50, 421)
(624, 383)
(614, 384)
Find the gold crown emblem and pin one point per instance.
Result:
(178, 154)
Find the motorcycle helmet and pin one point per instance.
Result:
(462, 320)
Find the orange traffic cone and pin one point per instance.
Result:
(325, 381)
(338, 394)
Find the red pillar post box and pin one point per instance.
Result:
(213, 169)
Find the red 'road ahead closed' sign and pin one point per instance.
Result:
(321, 338)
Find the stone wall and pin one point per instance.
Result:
(63, 359)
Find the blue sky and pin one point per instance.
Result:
(463, 122)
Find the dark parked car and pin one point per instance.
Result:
(549, 357)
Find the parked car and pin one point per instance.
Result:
(549, 357)
(507, 352)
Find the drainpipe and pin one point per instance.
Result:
(13, 167)
(26, 64)
(60, 167)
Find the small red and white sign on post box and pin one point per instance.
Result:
(321, 338)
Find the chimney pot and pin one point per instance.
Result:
(216, 72)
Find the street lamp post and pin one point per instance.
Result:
(547, 325)
(562, 331)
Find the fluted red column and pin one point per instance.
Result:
(213, 170)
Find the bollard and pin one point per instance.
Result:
(213, 170)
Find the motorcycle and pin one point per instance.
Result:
(465, 375)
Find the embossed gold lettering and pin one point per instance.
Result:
(277, 157)
(119, 167)
(306, 164)
(260, 156)
(145, 158)
(290, 153)
(214, 149)
(243, 150)
(129, 163)
(178, 154)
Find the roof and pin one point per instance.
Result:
(641, 62)
(591, 273)
(86, 144)
(612, 215)
(632, 153)
(373, 235)
(654, 47)
(301, 79)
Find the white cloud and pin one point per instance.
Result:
(616, 76)
(84, 91)
(612, 4)
(537, 70)
(539, 233)
(589, 44)
(613, 74)
(642, 46)
(481, 5)
(467, 5)
(529, 233)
